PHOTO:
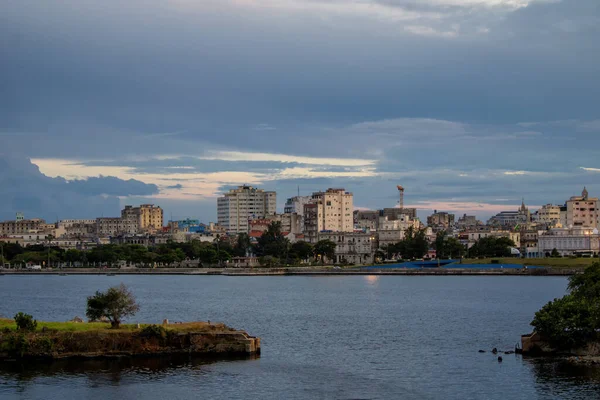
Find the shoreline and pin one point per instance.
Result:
(309, 271)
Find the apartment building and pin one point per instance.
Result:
(22, 226)
(331, 210)
(145, 218)
(582, 211)
(548, 215)
(238, 206)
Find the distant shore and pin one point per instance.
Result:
(303, 271)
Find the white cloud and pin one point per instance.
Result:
(423, 30)
(285, 158)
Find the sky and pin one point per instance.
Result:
(471, 105)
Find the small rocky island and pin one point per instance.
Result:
(570, 326)
(26, 338)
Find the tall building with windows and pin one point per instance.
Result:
(146, 217)
(582, 211)
(238, 206)
(331, 210)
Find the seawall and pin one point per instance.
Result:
(301, 271)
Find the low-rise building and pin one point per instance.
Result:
(569, 241)
(474, 236)
(510, 219)
(21, 226)
(440, 220)
(141, 239)
(468, 222)
(356, 248)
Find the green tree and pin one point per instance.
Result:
(272, 242)
(301, 250)
(242, 245)
(414, 244)
(447, 247)
(115, 304)
(207, 255)
(73, 255)
(324, 249)
(573, 319)
(492, 246)
(269, 261)
(554, 253)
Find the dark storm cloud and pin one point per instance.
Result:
(27, 190)
(446, 96)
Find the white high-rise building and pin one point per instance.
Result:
(238, 206)
(331, 210)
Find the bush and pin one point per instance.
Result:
(44, 344)
(154, 331)
(25, 322)
(18, 345)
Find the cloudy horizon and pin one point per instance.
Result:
(472, 105)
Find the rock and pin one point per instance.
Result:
(77, 320)
(494, 351)
(499, 359)
(482, 351)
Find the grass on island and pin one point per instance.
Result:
(198, 326)
(564, 262)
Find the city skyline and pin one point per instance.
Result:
(471, 105)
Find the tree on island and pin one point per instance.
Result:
(114, 304)
(574, 319)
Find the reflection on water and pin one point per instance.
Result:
(109, 369)
(375, 337)
(548, 369)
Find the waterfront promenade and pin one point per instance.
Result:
(497, 270)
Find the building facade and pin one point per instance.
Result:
(21, 227)
(331, 210)
(238, 206)
(548, 215)
(582, 211)
(440, 220)
(511, 218)
(145, 218)
(569, 241)
(352, 247)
